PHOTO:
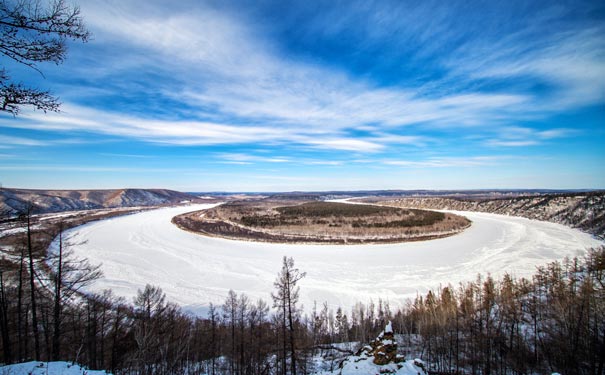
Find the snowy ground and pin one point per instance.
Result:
(47, 368)
(194, 270)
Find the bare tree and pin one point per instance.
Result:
(70, 276)
(149, 308)
(6, 342)
(32, 285)
(213, 317)
(285, 300)
(32, 32)
(230, 316)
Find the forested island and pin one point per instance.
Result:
(321, 222)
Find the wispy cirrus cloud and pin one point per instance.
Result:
(325, 85)
(136, 156)
(82, 168)
(238, 88)
(446, 162)
(572, 63)
(249, 158)
(518, 136)
(511, 143)
(235, 74)
(323, 162)
(7, 141)
(194, 133)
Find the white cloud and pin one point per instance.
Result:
(7, 141)
(444, 162)
(83, 168)
(517, 136)
(323, 162)
(571, 61)
(556, 133)
(496, 142)
(239, 158)
(136, 156)
(227, 66)
(248, 92)
(345, 144)
(189, 133)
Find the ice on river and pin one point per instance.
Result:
(194, 270)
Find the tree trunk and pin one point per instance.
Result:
(20, 355)
(114, 343)
(26, 336)
(213, 339)
(284, 342)
(57, 308)
(4, 323)
(291, 324)
(33, 288)
(602, 356)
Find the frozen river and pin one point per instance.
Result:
(194, 270)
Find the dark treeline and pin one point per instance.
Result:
(329, 209)
(420, 219)
(551, 322)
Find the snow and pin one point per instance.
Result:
(362, 365)
(6, 232)
(47, 368)
(388, 328)
(60, 215)
(195, 270)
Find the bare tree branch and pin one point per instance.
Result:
(14, 96)
(31, 33)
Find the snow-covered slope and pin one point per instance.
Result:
(43, 201)
(47, 368)
(379, 357)
(195, 270)
(363, 365)
(585, 211)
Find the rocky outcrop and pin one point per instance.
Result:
(585, 211)
(384, 348)
(381, 357)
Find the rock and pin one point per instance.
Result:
(384, 348)
(380, 357)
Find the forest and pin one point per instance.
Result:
(327, 209)
(553, 321)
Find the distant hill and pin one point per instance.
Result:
(45, 201)
(466, 194)
(585, 211)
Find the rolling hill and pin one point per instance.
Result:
(45, 201)
(582, 210)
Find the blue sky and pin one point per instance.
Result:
(320, 95)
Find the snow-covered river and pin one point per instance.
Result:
(194, 270)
